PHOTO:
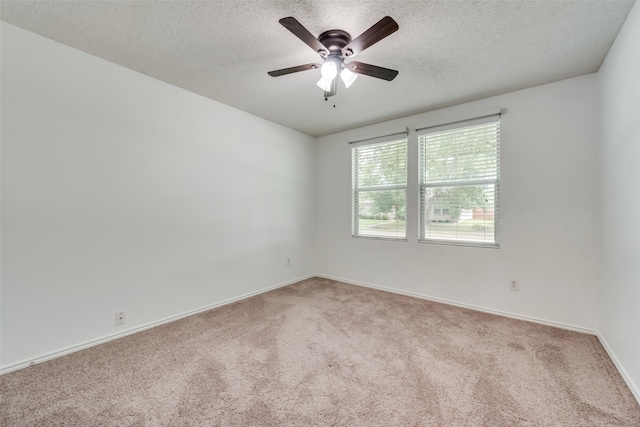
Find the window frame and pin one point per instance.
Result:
(356, 190)
(484, 181)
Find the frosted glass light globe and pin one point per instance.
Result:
(329, 70)
(348, 77)
(324, 84)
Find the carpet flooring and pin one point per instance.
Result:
(325, 353)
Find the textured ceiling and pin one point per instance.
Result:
(447, 52)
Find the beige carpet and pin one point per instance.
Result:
(324, 353)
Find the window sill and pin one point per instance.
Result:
(396, 239)
(460, 243)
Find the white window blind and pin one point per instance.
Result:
(379, 190)
(460, 183)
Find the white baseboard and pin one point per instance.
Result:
(635, 390)
(469, 306)
(102, 340)
(623, 373)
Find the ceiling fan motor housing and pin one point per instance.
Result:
(335, 41)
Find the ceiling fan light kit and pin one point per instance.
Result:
(348, 77)
(329, 69)
(334, 46)
(325, 84)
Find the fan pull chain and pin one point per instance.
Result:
(326, 98)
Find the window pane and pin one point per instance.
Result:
(382, 213)
(381, 164)
(459, 213)
(462, 154)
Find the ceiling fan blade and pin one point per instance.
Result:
(290, 70)
(303, 34)
(377, 32)
(372, 70)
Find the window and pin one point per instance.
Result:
(459, 182)
(379, 189)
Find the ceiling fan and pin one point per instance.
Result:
(334, 46)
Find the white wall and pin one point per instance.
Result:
(619, 294)
(548, 224)
(121, 192)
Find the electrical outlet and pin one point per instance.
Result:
(514, 285)
(119, 318)
(288, 262)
